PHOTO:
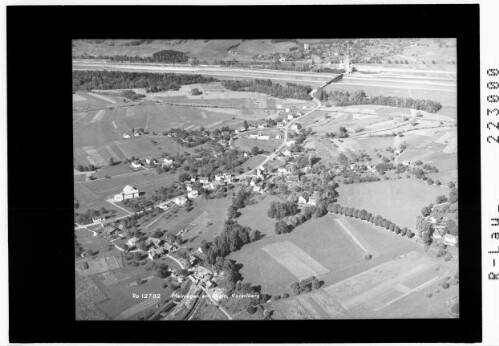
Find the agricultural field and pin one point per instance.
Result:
(247, 144)
(397, 200)
(319, 247)
(255, 215)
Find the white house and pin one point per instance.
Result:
(209, 186)
(257, 189)
(288, 110)
(167, 162)
(155, 253)
(286, 152)
(312, 200)
(128, 192)
(278, 137)
(99, 219)
(163, 205)
(192, 194)
(290, 117)
(181, 200)
(151, 161)
(282, 170)
(450, 240)
(132, 241)
(278, 106)
(264, 138)
(219, 177)
(406, 163)
(204, 180)
(253, 136)
(126, 135)
(302, 200)
(136, 164)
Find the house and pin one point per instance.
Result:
(264, 138)
(192, 194)
(126, 135)
(128, 192)
(151, 161)
(136, 164)
(98, 219)
(153, 240)
(291, 143)
(132, 241)
(431, 219)
(406, 163)
(286, 152)
(262, 126)
(278, 137)
(288, 110)
(312, 200)
(153, 254)
(167, 162)
(290, 117)
(188, 187)
(219, 177)
(282, 170)
(253, 136)
(109, 230)
(181, 200)
(209, 186)
(120, 245)
(257, 189)
(204, 180)
(304, 107)
(302, 200)
(450, 240)
(164, 205)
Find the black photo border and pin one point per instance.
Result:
(40, 177)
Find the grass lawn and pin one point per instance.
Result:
(255, 216)
(89, 242)
(400, 201)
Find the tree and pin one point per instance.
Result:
(281, 227)
(316, 284)
(195, 92)
(245, 125)
(111, 161)
(255, 150)
(426, 211)
(441, 199)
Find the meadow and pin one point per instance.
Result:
(397, 200)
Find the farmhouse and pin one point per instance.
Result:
(181, 200)
(126, 135)
(153, 254)
(192, 194)
(265, 138)
(128, 192)
(204, 180)
(132, 241)
(99, 219)
(209, 186)
(153, 240)
(109, 230)
(253, 136)
(278, 137)
(450, 240)
(136, 164)
(164, 205)
(282, 170)
(167, 162)
(290, 117)
(151, 161)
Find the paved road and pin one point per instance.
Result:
(285, 139)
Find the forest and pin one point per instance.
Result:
(345, 98)
(106, 80)
(289, 90)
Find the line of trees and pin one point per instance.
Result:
(288, 90)
(366, 216)
(359, 97)
(106, 80)
(232, 238)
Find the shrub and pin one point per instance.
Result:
(285, 295)
(276, 297)
(445, 285)
(447, 257)
(368, 256)
(455, 309)
(428, 295)
(251, 309)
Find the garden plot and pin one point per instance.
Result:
(94, 157)
(98, 265)
(294, 259)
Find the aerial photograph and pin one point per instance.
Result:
(265, 179)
